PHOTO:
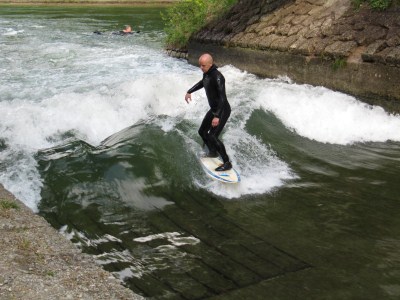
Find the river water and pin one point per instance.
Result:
(95, 136)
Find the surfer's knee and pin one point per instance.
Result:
(203, 133)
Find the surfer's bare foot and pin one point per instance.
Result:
(224, 167)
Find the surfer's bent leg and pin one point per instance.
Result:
(204, 129)
(216, 131)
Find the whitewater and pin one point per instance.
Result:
(60, 82)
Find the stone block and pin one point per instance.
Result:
(370, 34)
(286, 20)
(283, 43)
(308, 21)
(274, 20)
(301, 46)
(265, 42)
(256, 28)
(246, 40)
(393, 57)
(313, 32)
(380, 56)
(315, 11)
(317, 22)
(298, 20)
(295, 30)
(372, 49)
(267, 30)
(253, 20)
(326, 27)
(317, 45)
(360, 25)
(393, 37)
(304, 8)
(317, 2)
(283, 29)
(387, 20)
(268, 18)
(237, 36)
(347, 36)
(339, 29)
(340, 49)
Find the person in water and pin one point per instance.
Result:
(128, 29)
(214, 121)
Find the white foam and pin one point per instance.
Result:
(19, 174)
(261, 171)
(174, 238)
(326, 116)
(12, 32)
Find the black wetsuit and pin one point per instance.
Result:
(214, 84)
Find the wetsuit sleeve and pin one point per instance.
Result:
(221, 95)
(196, 87)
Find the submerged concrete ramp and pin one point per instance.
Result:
(227, 257)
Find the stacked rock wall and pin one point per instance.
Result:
(320, 42)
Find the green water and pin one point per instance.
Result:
(112, 149)
(331, 234)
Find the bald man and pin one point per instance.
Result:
(214, 121)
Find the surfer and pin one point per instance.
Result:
(215, 119)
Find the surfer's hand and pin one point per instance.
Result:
(188, 97)
(215, 122)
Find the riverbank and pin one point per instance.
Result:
(90, 2)
(37, 262)
(322, 43)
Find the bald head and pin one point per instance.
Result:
(205, 62)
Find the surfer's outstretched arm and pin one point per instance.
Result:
(196, 87)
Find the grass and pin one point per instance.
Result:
(24, 244)
(339, 63)
(375, 4)
(7, 204)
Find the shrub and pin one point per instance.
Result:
(375, 4)
(188, 16)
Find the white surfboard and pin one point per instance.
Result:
(210, 164)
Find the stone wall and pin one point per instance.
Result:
(319, 42)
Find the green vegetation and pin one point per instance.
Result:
(375, 4)
(97, 2)
(188, 16)
(339, 63)
(24, 244)
(51, 273)
(6, 204)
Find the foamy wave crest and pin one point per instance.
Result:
(327, 116)
(12, 32)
